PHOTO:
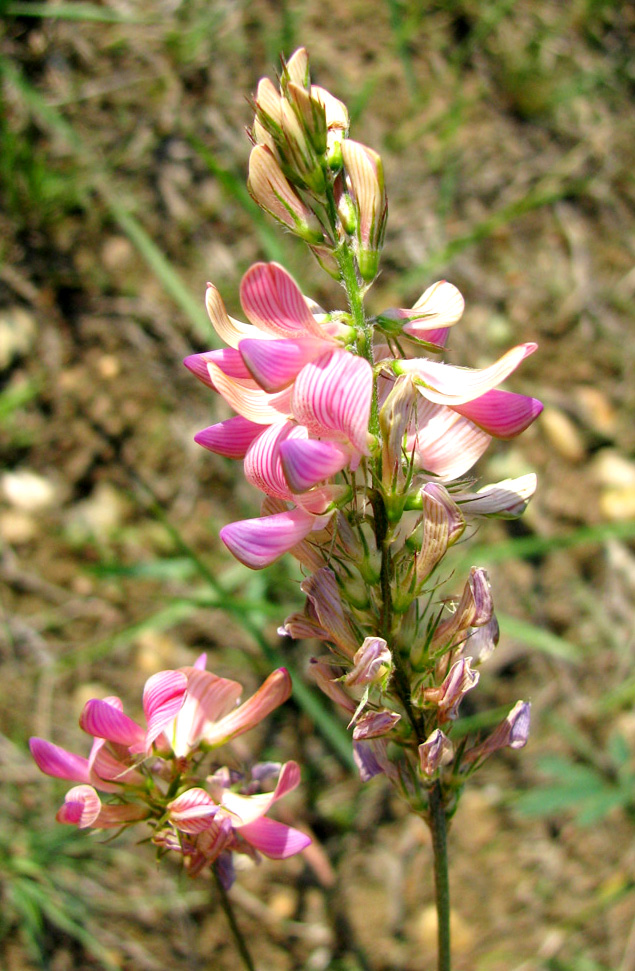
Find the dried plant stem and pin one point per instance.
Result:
(438, 827)
(231, 918)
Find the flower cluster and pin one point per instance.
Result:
(362, 442)
(159, 774)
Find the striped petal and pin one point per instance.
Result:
(263, 466)
(81, 807)
(230, 438)
(207, 700)
(193, 811)
(107, 772)
(453, 386)
(229, 330)
(275, 840)
(501, 413)
(227, 359)
(260, 542)
(104, 720)
(271, 694)
(273, 302)
(57, 762)
(506, 499)
(445, 444)
(163, 697)
(308, 461)
(441, 305)
(332, 397)
(252, 403)
(275, 364)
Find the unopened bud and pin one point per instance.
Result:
(274, 193)
(436, 751)
(513, 732)
(374, 724)
(365, 178)
(372, 663)
(447, 697)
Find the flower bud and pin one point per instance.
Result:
(513, 732)
(473, 610)
(274, 193)
(436, 751)
(365, 179)
(372, 663)
(375, 724)
(459, 680)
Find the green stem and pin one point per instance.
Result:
(235, 929)
(438, 828)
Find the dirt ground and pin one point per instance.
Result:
(508, 139)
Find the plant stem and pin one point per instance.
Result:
(231, 918)
(438, 828)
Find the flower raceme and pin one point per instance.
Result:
(303, 398)
(154, 772)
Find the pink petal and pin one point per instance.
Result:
(501, 413)
(247, 809)
(208, 699)
(252, 403)
(263, 467)
(333, 395)
(272, 693)
(275, 364)
(81, 807)
(163, 697)
(230, 438)
(375, 724)
(275, 840)
(193, 811)
(103, 720)
(227, 359)
(438, 336)
(449, 385)
(445, 443)
(273, 302)
(229, 330)
(57, 762)
(441, 305)
(308, 461)
(107, 772)
(260, 542)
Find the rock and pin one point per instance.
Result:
(596, 411)
(611, 468)
(618, 503)
(461, 934)
(17, 527)
(18, 331)
(100, 514)
(27, 490)
(562, 434)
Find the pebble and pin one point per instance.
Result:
(18, 331)
(17, 527)
(618, 503)
(562, 434)
(100, 514)
(462, 935)
(27, 490)
(614, 470)
(596, 410)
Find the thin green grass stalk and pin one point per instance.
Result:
(536, 198)
(539, 639)
(401, 41)
(524, 547)
(169, 278)
(73, 11)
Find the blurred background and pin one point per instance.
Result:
(508, 139)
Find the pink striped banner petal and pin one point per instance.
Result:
(275, 364)
(271, 694)
(163, 697)
(332, 397)
(273, 302)
(193, 811)
(103, 720)
(263, 466)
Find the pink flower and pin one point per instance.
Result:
(222, 820)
